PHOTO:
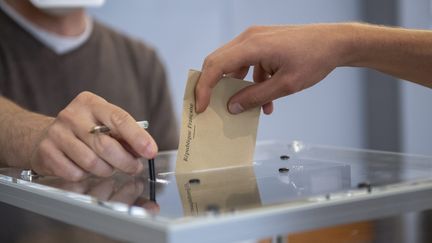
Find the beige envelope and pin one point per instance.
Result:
(215, 138)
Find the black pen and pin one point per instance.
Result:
(152, 180)
(152, 170)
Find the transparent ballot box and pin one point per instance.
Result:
(291, 187)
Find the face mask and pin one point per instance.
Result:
(58, 11)
(66, 4)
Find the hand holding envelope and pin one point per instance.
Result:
(212, 143)
(215, 138)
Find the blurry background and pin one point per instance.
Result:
(352, 107)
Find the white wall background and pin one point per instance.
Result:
(332, 112)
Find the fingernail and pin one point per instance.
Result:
(150, 150)
(235, 108)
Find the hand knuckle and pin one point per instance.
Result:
(209, 61)
(55, 132)
(87, 97)
(131, 167)
(90, 162)
(66, 115)
(104, 146)
(257, 41)
(254, 101)
(44, 150)
(119, 118)
(75, 175)
(43, 146)
(289, 88)
(253, 29)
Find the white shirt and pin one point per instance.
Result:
(58, 43)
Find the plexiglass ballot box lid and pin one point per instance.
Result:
(290, 187)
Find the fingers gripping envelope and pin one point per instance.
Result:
(215, 138)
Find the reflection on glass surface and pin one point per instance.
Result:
(307, 174)
(218, 191)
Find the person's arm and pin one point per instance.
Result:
(287, 59)
(20, 130)
(403, 53)
(63, 146)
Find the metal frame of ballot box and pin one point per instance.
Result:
(290, 187)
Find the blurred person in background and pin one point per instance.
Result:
(62, 73)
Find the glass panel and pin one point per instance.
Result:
(292, 174)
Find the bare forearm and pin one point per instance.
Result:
(403, 53)
(288, 59)
(19, 131)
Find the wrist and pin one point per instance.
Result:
(349, 43)
(368, 45)
(36, 126)
(22, 131)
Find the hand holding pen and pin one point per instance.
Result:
(76, 142)
(142, 124)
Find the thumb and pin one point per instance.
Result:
(256, 95)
